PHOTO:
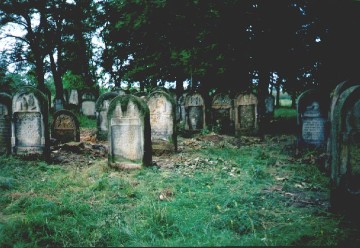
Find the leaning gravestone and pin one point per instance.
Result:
(129, 133)
(222, 114)
(5, 123)
(30, 132)
(65, 127)
(245, 109)
(162, 121)
(195, 112)
(312, 110)
(88, 100)
(102, 106)
(345, 150)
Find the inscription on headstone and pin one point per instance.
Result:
(30, 130)
(195, 112)
(65, 127)
(247, 116)
(88, 104)
(246, 121)
(129, 132)
(222, 118)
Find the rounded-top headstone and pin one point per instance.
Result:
(222, 114)
(246, 117)
(65, 126)
(195, 112)
(129, 133)
(30, 131)
(102, 106)
(162, 120)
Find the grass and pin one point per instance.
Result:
(252, 195)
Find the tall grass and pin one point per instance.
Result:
(252, 195)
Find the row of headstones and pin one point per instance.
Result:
(333, 124)
(24, 124)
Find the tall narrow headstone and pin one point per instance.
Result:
(5, 123)
(102, 106)
(73, 97)
(129, 133)
(269, 106)
(195, 112)
(88, 100)
(30, 132)
(345, 150)
(65, 127)
(162, 121)
(312, 110)
(245, 109)
(222, 114)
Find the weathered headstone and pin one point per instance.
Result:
(58, 104)
(102, 106)
(180, 110)
(65, 127)
(30, 132)
(246, 119)
(119, 91)
(345, 150)
(269, 106)
(73, 97)
(222, 114)
(5, 123)
(88, 100)
(195, 112)
(312, 110)
(129, 133)
(162, 121)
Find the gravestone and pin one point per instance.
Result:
(245, 110)
(195, 112)
(345, 150)
(65, 127)
(162, 121)
(119, 91)
(269, 106)
(334, 98)
(180, 110)
(129, 133)
(5, 123)
(222, 114)
(58, 104)
(102, 106)
(73, 97)
(88, 100)
(30, 132)
(312, 109)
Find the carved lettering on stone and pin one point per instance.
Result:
(28, 129)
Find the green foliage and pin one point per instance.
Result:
(73, 81)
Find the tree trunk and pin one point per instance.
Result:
(59, 90)
(179, 86)
(277, 95)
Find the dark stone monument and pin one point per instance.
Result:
(65, 127)
(222, 114)
(162, 121)
(195, 112)
(129, 133)
(102, 106)
(345, 151)
(246, 118)
(30, 132)
(119, 91)
(269, 106)
(312, 110)
(180, 110)
(5, 123)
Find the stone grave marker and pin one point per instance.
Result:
(195, 112)
(269, 106)
(102, 106)
(312, 109)
(129, 133)
(245, 110)
(65, 127)
(119, 91)
(30, 132)
(73, 97)
(5, 123)
(88, 100)
(180, 110)
(162, 121)
(345, 150)
(222, 114)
